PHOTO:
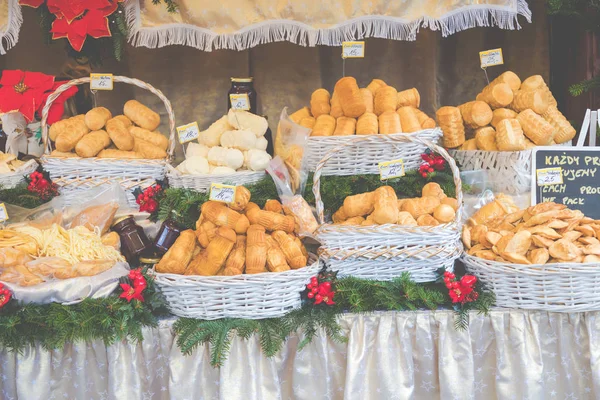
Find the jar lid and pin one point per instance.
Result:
(242, 80)
(120, 219)
(149, 260)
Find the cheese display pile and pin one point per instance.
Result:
(382, 206)
(508, 115)
(99, 134)
(237, 238)
(350, 110)
(540, 234)
(9, 163)
(33, 253)
(235, 142)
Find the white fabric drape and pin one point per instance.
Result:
(505, 355)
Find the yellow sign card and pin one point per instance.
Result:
(391, 169)
(222, 193)
(101, 81)
(489, 58)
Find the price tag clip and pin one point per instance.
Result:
(189, 132)
(222, 193)
(549, 176)
(490, 58)
(391, 169)
(101, 81)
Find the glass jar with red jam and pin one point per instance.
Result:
(134, 241)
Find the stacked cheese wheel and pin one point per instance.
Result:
(378, 108)
(99, 134)
(508, 115)
(233, 143)
(382, 206)
(237, 238)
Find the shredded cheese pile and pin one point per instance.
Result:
(74, 245)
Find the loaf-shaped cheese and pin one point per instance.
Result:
(295, 116)
(97, 117)
(350, 98)
(476, 114)
(389, 122)
(536, 128)
(375, 85)
(124, 120)
(69, 134)
(113, 153)
(319, 102)
(385, 100)
(345, 126)
(410, 97)
(509, 135)
(155, 138)
(92, 143)
(367, 124)
(324, 126)
(485, 138)
(141, 115)
(336, 107)
(408, 119)
(368, 99)
(450, 120)
(119, 134)
(148, 150)
(308, 122)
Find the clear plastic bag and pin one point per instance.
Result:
(290, 145)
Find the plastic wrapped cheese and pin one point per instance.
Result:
(257, 160)
(212, 136)
(195, 149)
(242, 140)
(221, 156)
(244, 120)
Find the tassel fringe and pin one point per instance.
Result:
(10, 36)
(304, 35)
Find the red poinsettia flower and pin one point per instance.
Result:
(94, 23)
(31, 3)
(57, 108)
(130, 293)
(23, 91)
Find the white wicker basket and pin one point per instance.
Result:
(564, 287)
(12, 179)
(201, 183)
(507, 171)
(75, 174)
(386, 251)
(354, 160)
(250, 296)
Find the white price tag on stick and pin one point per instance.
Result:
(3, 213)
(101, 81)
(549, 176)
(489, 58)
(187, 133)
(391, 169)
(353, 49)
(239, 101)
(222, 193)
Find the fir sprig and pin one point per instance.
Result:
(20, 196)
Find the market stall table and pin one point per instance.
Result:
(508, 354)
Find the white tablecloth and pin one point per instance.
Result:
(405, 355)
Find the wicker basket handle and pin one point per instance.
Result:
(394, 140)
(124, 79)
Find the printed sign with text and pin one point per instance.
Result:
(489, 58)
(353, 49)
(101, 81)
(188, 132)
(549, 176)
(391, 169)
(222, 193)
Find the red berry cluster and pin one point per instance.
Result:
(5, 295)
(431, 163)
(139, 284)
(41, 186)
(461, 291)
(147, 200)
(322, 292)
